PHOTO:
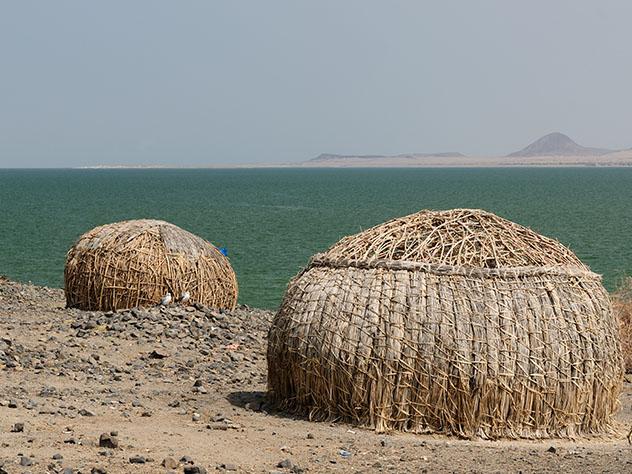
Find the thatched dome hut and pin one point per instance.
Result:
(456, 322)
(135, 263)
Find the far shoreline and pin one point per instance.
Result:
(621, 159)
(611, 160)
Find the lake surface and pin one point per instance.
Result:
(273, 220)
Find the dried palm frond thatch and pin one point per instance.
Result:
(135, 263)
(456, 322)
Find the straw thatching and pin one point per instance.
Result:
(135, 263)
(456, 322)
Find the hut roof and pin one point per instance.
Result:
(458, 237)
(121, 235)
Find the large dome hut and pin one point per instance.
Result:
(135, 263)
(456, 322)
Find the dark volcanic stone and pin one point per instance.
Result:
(169, 463)
(199, 469)
(286, 464)
(17, 428)
(106, 440)
(157, 355)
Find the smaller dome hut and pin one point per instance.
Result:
(135, 263)
(457, 322)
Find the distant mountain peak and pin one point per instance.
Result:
(558, 144)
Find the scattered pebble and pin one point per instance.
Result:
(200, 469)
(286, 464)
(169, 463)
(137, 460)
(106, 440)
(17, 428)
(157, 355)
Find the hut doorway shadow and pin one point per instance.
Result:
(257, 401)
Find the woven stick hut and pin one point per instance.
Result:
(456, 322)
(135, 263)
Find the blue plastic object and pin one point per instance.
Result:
(224, 251)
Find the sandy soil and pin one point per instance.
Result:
(188, 385)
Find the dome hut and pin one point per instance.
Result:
(457, 322)
(135, 263)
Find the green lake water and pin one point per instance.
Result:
(273, 220)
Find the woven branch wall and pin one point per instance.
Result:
(455, 322)
(134, 263)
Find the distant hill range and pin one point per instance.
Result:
(325, 157)
(554, 149)
(558, 144)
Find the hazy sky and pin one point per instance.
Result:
(197, 82)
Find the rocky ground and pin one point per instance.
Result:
(182, 390)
